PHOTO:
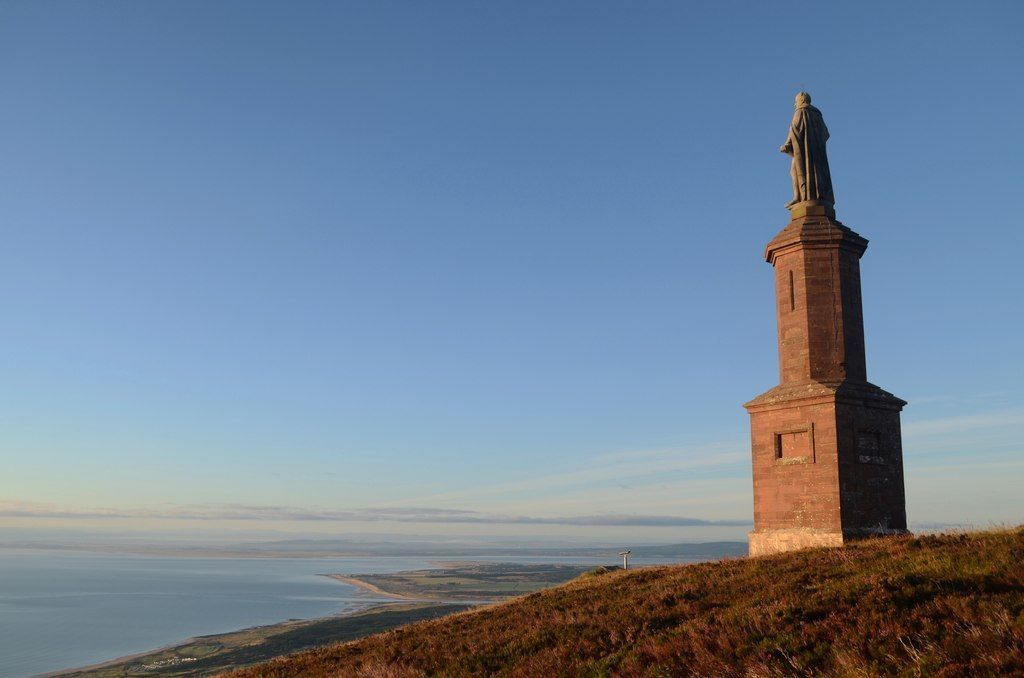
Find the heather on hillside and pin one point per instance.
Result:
(934, 605)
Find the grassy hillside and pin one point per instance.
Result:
(936, 605)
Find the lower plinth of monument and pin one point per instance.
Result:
(778, 541)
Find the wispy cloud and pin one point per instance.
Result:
(965, 422)
(16, 509)
(704, 481)
(634, 469)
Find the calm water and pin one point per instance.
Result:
(61, 610)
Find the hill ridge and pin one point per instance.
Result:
(948, 604)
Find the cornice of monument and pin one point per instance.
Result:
(814, 230)
(811, 392)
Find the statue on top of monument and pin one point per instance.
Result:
(806, 143)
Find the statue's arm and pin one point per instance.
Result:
(787, 147)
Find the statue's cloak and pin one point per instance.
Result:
(806, 142)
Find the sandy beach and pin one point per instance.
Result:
(366, 586)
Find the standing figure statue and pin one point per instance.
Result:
(806, 143)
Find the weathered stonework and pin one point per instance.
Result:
(826, 444)
(764, 543)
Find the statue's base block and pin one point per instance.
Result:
(811, 208)
(777, 541)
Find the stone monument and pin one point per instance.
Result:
(826, 443)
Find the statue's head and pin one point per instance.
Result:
(803, 99)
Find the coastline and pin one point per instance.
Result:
(262, 643)
(367, 586)
(265, 630)
(182, 643)
(425, 594)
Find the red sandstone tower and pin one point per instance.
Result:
(827, 452)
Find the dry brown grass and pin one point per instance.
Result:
(948, 605)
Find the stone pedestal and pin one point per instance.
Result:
(826, 444)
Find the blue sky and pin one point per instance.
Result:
(293, 264)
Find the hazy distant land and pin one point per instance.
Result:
(329, 548)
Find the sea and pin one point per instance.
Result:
(67, 609)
